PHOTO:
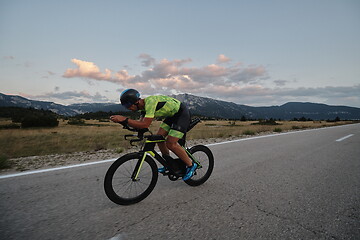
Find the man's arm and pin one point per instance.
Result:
(142, 123)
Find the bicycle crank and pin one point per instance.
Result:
(173, 177)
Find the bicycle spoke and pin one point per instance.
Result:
(126, 187)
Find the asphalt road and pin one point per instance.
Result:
(302, 185)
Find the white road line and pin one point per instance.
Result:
(272, 135)
(343, 138)
(54, 169)
(111, 160)
(251, 138)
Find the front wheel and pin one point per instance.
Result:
(204, 156)
(122, 188)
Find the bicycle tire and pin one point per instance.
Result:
(121, 189)
(204, 155)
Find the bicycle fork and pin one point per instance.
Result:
(135, 174)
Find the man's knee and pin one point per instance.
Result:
(162, 132)
(171, 144)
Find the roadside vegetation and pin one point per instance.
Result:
(4, 162)
(77, 135)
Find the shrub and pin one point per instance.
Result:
(232, 122)
(39, 120)
(248, 132)
(4, 162)
(99, 146)
(337, 119)
(76, 121)
(277, 130)
(10, 126)
(302, 119)
(119, 150)
(270, 121)
(295, 127)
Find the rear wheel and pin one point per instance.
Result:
(119, 185)
(204, 156)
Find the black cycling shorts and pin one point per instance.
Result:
(177, 125)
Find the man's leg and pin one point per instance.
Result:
(162, 145)
(174, 146)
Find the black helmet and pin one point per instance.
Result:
(129, 97)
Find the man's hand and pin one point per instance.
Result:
(117, 118)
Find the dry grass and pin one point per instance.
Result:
(105, 135)
(224, 129)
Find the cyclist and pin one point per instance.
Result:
(173, 128)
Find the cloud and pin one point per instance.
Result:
(48, 74)
(223, 59)
(238, 82)
(26, 64)
(280, 82)
(69, 96)
(166, 76)
(250, 74)
(87, 70)
(164, 72)
(9, 57)
(147, 60)
(172, 75)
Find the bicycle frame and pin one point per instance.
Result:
(148, 149)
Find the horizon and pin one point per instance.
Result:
(251, 52)
(187, 94)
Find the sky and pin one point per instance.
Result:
(252, 52)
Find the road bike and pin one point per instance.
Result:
(132, 177)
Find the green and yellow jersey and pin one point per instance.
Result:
(160, 106)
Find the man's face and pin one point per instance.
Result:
(133, 108)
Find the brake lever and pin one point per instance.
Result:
(140, 133)
(134, 140)
(126, 126)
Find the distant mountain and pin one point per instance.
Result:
(70, 110)
(17, 101)
(203, 106)
(314, 111)
(209, 107)
(220, 109)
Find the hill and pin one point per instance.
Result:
(202, 106)
(227, 110)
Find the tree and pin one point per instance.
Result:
(39, 120)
